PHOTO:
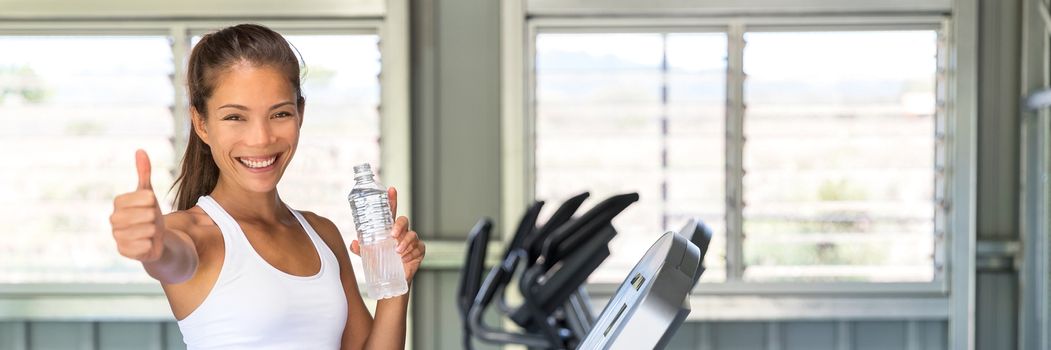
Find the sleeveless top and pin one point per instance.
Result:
(253, 305)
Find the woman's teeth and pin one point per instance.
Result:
(257, 162)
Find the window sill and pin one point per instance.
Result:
(85, 308)
(808, 289)
(752, 301)
(771, 308)
(90, 302)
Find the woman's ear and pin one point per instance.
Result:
(197, 122)
(301, 105)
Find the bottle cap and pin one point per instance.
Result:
(363, 169)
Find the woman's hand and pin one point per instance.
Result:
(138, 227)
(410, 247)
(139, 230)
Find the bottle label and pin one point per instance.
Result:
(372, 217)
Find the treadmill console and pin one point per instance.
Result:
(652, 302)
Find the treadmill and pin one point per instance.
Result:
(573, 250)
(648, 308)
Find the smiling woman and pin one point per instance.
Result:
(240, 268)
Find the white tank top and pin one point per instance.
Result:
(253, 305)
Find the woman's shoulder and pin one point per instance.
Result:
(324, 228)
(194, 221)
(320, 223)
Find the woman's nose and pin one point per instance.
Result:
(261, 133)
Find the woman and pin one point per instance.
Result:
(239, 268)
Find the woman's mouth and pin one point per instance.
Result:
(259, 164)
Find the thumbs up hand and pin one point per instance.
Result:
(138, 227)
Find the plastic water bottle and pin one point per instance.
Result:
(384, 274)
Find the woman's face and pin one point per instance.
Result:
(252, 126)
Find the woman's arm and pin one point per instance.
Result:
(387, 330)
(143, 234)
(178, 261)
(391, 313)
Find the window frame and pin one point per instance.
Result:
(1035, 205)
(957, 25)
(146, 301)
(735, 30)
(941, 162)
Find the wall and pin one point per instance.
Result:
(449, 120)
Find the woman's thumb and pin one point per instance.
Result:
(142, 165)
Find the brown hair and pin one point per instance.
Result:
(213, 54)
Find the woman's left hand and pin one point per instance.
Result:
(410, 247)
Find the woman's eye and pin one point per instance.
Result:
(282, 115)
(232, 117)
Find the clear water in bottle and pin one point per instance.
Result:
(384, 274)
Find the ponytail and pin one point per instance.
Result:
(198, 175)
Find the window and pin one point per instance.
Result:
(77, 121)
(840, 149)
(87, 119)
(634, 113)
(839, 157)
